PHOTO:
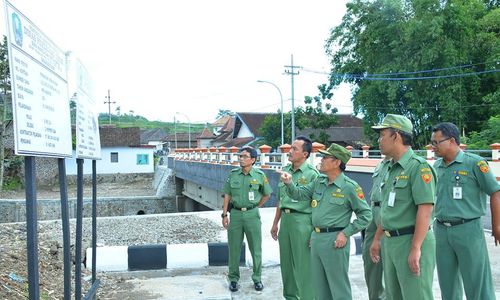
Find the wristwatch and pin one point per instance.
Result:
(223, 215)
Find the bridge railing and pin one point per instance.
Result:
(276, 160)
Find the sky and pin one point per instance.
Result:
(188, 59)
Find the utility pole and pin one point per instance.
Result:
(292, 72)
(109, 102)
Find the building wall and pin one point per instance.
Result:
(127, 161)
(244, 132)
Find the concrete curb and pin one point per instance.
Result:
(179, 256)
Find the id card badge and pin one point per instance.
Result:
(457, 192)
(251, 196)
(392, 198)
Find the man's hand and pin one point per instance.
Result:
(225, 222)
(274, 232)
(341, 240)
(496, 235)
(285, 177)
(375, 251)
(414, 260)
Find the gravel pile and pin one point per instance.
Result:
(119, 231)
(141, 230)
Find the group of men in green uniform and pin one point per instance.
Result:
(399, 249)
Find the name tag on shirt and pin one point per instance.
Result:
(251, 196)
(392, 198)
(457, 192)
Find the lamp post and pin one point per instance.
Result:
(175, 130)
(189, 128)
(281, 97)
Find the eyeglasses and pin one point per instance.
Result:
(436, 143)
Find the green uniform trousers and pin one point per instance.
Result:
(373, 272)
(400, 281)
(295, 255)
(248, 223)
(330, 267)
(461, 250)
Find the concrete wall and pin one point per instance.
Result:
(15, 210)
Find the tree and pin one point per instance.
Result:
(489, 135)
(399, 39)
(223, 112)
(5, 105)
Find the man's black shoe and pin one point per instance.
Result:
(233, 286)
(259, 286)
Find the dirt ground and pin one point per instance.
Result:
(13, 261)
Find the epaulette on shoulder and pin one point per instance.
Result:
(351, 181)
(419, 159)
(259, 171)
(473, 156)
(235, 170)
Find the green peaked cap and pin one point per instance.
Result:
(398, 122)
(338, 151)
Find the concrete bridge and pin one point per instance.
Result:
(199, 174)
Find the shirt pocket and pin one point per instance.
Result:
(337, 200)
(402, 190)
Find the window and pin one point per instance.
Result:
(143, 159)
(114, 157)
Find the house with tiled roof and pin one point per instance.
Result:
(153, 137)
(349, 131)
(205, 138)
(121, 152)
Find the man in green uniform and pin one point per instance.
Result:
(408, 197)
(333, 198)
(295, 225)
(464, 179)
(247, 188)
(374, 271)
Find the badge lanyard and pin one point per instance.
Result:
(457, 189)
(392, 194)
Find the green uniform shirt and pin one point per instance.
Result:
(474, 179)
(378, 175)
(413, 181)
(333, 204)
(247, 190)
(302, 176)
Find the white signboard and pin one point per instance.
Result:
(40, 102)
(88, 143)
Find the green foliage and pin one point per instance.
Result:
(318, 113)
(224, 112)
(392, 36)
(127, 120)
(489, 135)
(13, 166)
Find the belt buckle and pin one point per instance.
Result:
(243, 209)
(317, 229)
(387, 233)
(287, 210)
(447, 224)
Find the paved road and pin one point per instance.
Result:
(211, 282)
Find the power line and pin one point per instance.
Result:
(374, 76)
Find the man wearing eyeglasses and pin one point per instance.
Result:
(408, 196)
(464, 179)
(333, 198)
(295, 225)
(248, 189)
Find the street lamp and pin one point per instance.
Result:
(281, 97)
(189, 128)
